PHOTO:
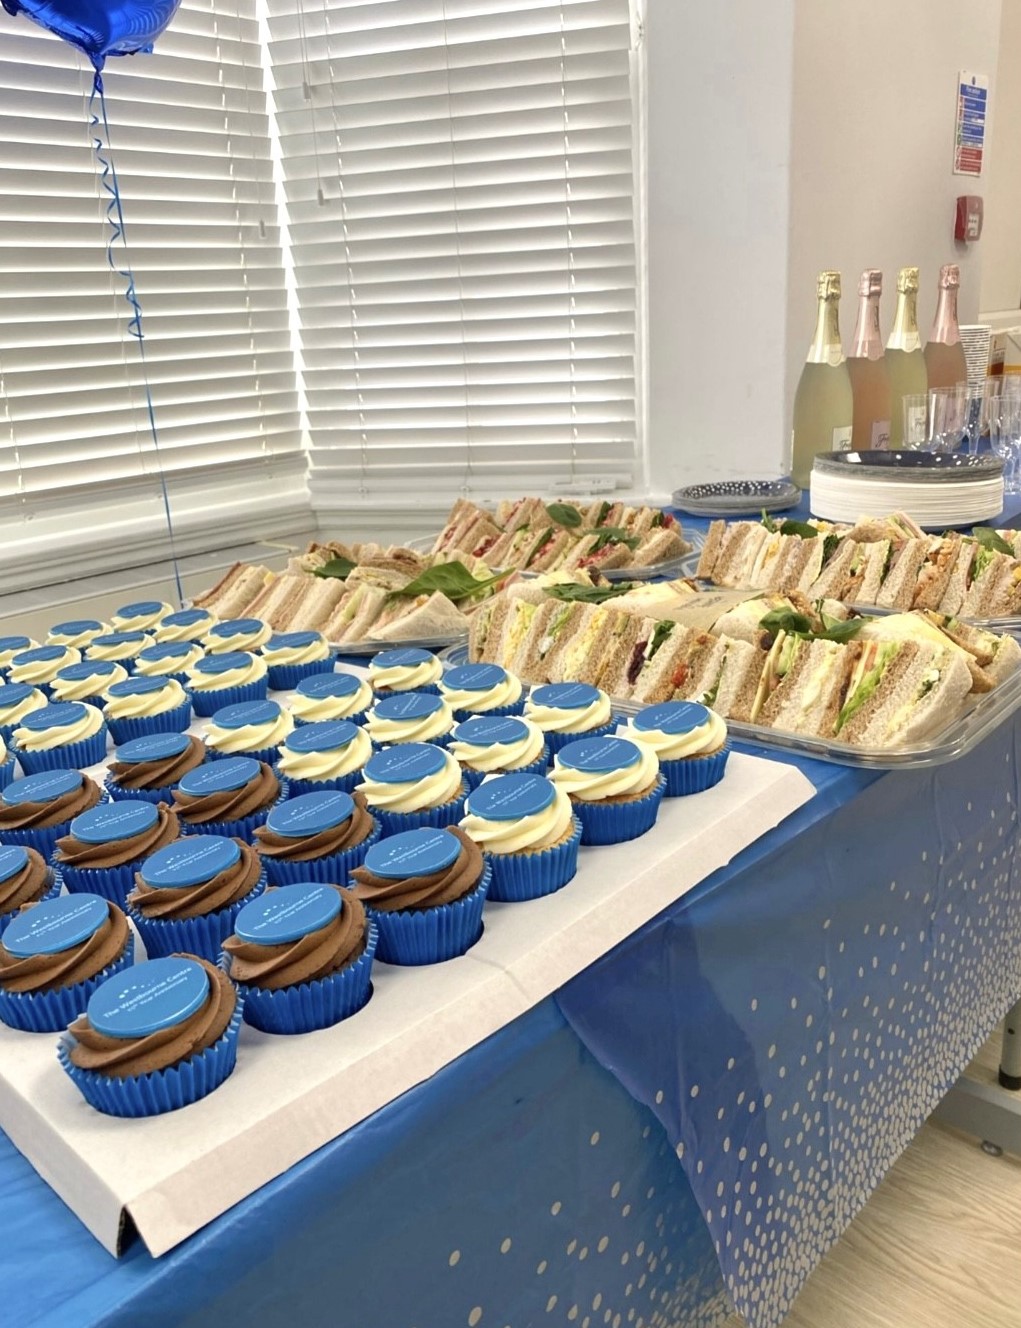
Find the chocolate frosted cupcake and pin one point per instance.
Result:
(24, 879)
(185, 625)
(482, 689)
(54, 955)
(331, 755)
(302, 957)
(139, 706)
(425, 890)
(331, 696)
(187, 895)
(615, 785)
(67, 736)
(17, 699)
(229, 797)
(107, 845)
(79, 633)
(406, 669)
(154, 1039)
(409, 717)
(412, 785)
(149, 768)
(36, 810)
(40, 666)
(316, 837)
(87, 681)
(169, 659)
(253, 728)
(529, 833)
(293, 656)
(503, 746)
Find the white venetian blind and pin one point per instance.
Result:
(460, 200)
(189, 128)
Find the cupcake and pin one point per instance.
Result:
(87, 681)
(169, 659)
(144, 616)
(156, 1038)
(316, 837)
(219, 680)
(106, 846)
(40, 666)
(237, 634)
(424, 889)
(149, 768)
(140, 706)
(615, 786)
(187, 895)
(54, 955)
(79, 633)
(36, 810)
(324, 756)
(122, 647)
(11, 646)
(253, 728)
(330, 696)
(294, 656)
(567, 711)
(409, 717)
(405, 669)
(7, 764)
(25, 878)
(529, 833)
(185, 625)
(482, 689)
(501, 746)
(17, 699)
(69, 735)
(690, 741)
(302, 957)
(413, 785)
(227, 797)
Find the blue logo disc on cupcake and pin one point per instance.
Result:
(474, 677)
(15, 643)
(152, 747)
(599, 755)
(487, 731)
(238, 627)
(145, 608)
(185, 618)
(55, 925)
(406, 763)
(166, 650)
(44, 787)
(408, 705)
(59, 716)
(148, 998)
(225, 663)
(673, 717)
(40, 655)
(310, 814)
(13, 693)
(401, 658)
(111, 821)
(13, 859)
(566, 695)
(292, 640)
(76, 627)
(326, 736)
(189, 861)
(328, 684)
(244, 713)
(136, 686)
(224, 776)
(88, 668)
(510, 797)
(413, 853)
(288, 913)
(120, 639)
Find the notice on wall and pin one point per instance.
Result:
(970, 135)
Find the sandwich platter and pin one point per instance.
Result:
(672, 567)
(434, 643)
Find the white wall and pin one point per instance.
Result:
(1001, 236)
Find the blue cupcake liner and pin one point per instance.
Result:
(556, 741)
(334, 869)
(285, 677)
(141, 726)
(431, 817)
(243, 829)
(268, 754)
(521, 876)
(473, 778)
(71, 756)
(430, 935)
(43, 838)
(342, 784)
(203, 936)
(694, 774)
(311, 1005)
(614, 822)
(162, 1090)
(50, 893)
(52, 1011)
(430, 688)
(7, 771)
(113, 883)
(358, 719)
(207, 703)
(497, 712)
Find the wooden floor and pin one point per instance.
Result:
(937, 1246)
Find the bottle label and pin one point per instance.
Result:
(842, 439)
(880, 440)
(915, 435)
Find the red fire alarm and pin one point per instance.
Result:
(968, 225)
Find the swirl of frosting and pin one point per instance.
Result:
(186, 625)
(249, 737)
(311, 652)
(44, 815)
(313, 709)
(253, 670)
(328, 764)
(11, 714)
(405, 677)
(229, 804)
(160, 773)
(123, 1057)
(60, 735)
(195, 901)
(36, 671)
(541, 830)
(139, 617)
(50, 972)
(598, 786)
(118, 646)
(315, 955)
(418, 794)
(553, 719)
(413, 729)
(139, 705)
(75, 634)
(27, 885)
(307, 848)
(504, 693)
(80, 689)
(699, 741)
(159, 668)
(500, 755)
(222, 641)
(442, 887)
(14, 645)
(116, 852)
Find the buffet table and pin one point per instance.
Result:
(692, 1120)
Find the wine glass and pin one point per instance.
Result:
(947, 418)
(1001, 416)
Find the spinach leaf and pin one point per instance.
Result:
(339, 568)
(989, 539)
(564, 515)
(450, 579)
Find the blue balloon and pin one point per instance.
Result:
(100, 27)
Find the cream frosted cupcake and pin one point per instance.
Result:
(294, 656)
(123, 647)
(252, 728)
(323, 756)
(40, 666)
(142, 616)
(501, 746)
(87, 681)
(169, 659)
(615, 785)
(409, 717)
(331, 696)
(529, 833)
(405, 669)
(412, 785)
(185, 625)
(17, 699)
(226, 679)
(140, 706)
(482, 689)
(567, 711)
(79, 632)
(69, 735)
(234, 634)
(11, 646)
(7, 764)
(690, 741)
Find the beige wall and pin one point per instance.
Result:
(1001, 237)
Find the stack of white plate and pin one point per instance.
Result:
(935, 489)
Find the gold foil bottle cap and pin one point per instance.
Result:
(827, 286)
(907, 280)
(949, 276)
(870, 282)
